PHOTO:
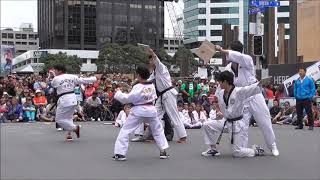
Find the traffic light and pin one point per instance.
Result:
(257, 45)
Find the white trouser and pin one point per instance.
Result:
(212, 130)
(132, 123)
(139, 130)
(169, 105)
(258, 108)
(64, 117)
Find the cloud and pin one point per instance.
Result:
(15, 12)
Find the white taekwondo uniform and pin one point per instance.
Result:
(168, 101)
(255, 105)
(189, 121)
(142, 97)
(232, 108)
(67, 103)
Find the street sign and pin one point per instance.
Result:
(255, 10)
(264, 3)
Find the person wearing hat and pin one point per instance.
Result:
(40, 99)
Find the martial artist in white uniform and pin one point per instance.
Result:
(142, 96)
(243, 68)
(230, 100)
(67, 103)
(167, 102)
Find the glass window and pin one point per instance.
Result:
(18, 36)
(202, 11)
(216, 33)
(10, 36)
(283, 20)
(232, 21)
(283, 9)
(4, 35)
(287, 31)
(24, 43)
(225, 10)
(223, 1)
(10, 42)
(202, 32)
(24, 36)
(202, 21)
(171, 41)
(31, 36)
(18, 42)
(176, 42)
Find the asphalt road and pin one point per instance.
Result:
(37, 151)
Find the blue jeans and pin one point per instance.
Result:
(31, 116)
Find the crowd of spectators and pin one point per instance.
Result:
(30, 99)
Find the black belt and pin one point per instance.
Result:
(159, 94)
(231, 120)
(62, 94)
(56, 98)
(149, 103)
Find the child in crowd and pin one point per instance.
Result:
(198, 115)
(190, 121)
(29, 110)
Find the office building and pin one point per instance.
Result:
(89, 24)
(171, 44)
(24, 39)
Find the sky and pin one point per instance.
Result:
(15, 12)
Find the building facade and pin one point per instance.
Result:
(204, 20)
(29, 61)
(24, 39)
(171, 44)
(308, 30)
(282, 15)
(89, 24)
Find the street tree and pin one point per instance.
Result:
(72, 63)
(185, 59)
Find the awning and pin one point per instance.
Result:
(27, 69)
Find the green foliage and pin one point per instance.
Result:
(72, 63)
(165, 58)
(120, 59)
(185, 59)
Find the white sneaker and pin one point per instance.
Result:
(275, 151)
(137, 139)
(59, 129)
(210, 152)
(92, 119)
(99, 119)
